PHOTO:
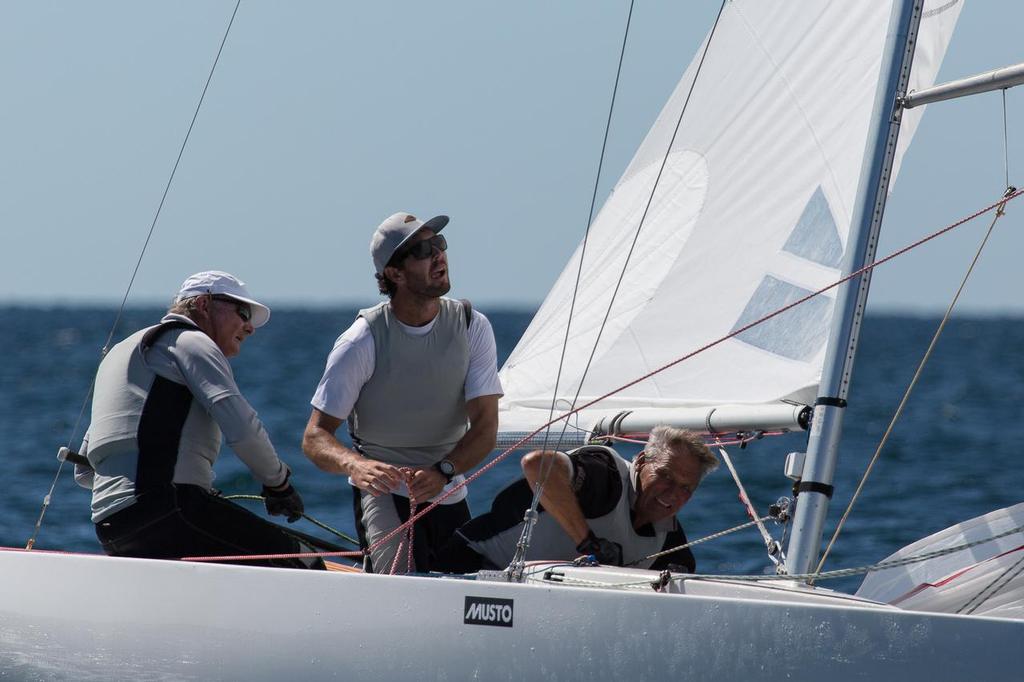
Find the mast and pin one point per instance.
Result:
(815, 487)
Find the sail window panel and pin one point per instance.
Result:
(798, 334)
(815, 236)
(767, 156)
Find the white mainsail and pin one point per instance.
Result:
(751, 213)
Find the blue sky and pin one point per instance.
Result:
(323, 118)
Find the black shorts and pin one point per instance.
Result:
(174, 521)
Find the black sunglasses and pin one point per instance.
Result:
(425, 248)
(242, 309)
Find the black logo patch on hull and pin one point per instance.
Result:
(488, 611)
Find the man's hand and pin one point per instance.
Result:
(605, 551)
(425, 483)
(375, 477)
(283, 500)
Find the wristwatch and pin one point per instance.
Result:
(447, 468)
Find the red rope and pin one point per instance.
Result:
(261, 557)
(412, 519)
(950, 578)
(409, 565)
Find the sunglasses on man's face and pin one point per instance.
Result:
(425, 248)
(241, 309)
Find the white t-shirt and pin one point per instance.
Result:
(353, 359)
(351, 363)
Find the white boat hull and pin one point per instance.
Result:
(92, 617)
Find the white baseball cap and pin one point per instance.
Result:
(395, 231)
(219, 283)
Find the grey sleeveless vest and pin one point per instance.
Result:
(412, 411)
(140, 422)
(551, 542)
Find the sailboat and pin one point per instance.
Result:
(760, 184)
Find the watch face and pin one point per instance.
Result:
(446, 467)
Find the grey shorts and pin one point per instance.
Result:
(378, 516)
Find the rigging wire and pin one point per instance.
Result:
(683, 358)
(910, 388)
(117, 319)
(838, 573)
(530, 517)
(998, 583)
(531, 513)
(647, 207)
(315, 522)
(755, 521)
(590, 223)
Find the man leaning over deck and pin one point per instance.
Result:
(163, 398)
(593, 502)
(416, 378)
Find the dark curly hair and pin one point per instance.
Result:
(385, 286)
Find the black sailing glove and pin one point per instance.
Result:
(284, 501)
(605, 551)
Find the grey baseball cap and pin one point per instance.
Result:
(395, 231)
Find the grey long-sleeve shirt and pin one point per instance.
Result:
(184, 356)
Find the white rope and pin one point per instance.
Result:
(802, 577)
(706, 538)
(774, 549)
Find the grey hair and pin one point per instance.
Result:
(666, 442)
(186, 306)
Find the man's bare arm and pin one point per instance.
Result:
(558, 497)
(471, 449)
(324, 449)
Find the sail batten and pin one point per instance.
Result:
(752, 212)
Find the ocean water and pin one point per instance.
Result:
(955, 454)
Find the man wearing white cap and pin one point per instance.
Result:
(416, 378)
(163, 398)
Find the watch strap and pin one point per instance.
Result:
(438, 467)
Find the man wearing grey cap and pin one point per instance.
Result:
(416, 378)
(163, 398)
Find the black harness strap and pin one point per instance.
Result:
(467, 310)
(150, 337)
(162, 420)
